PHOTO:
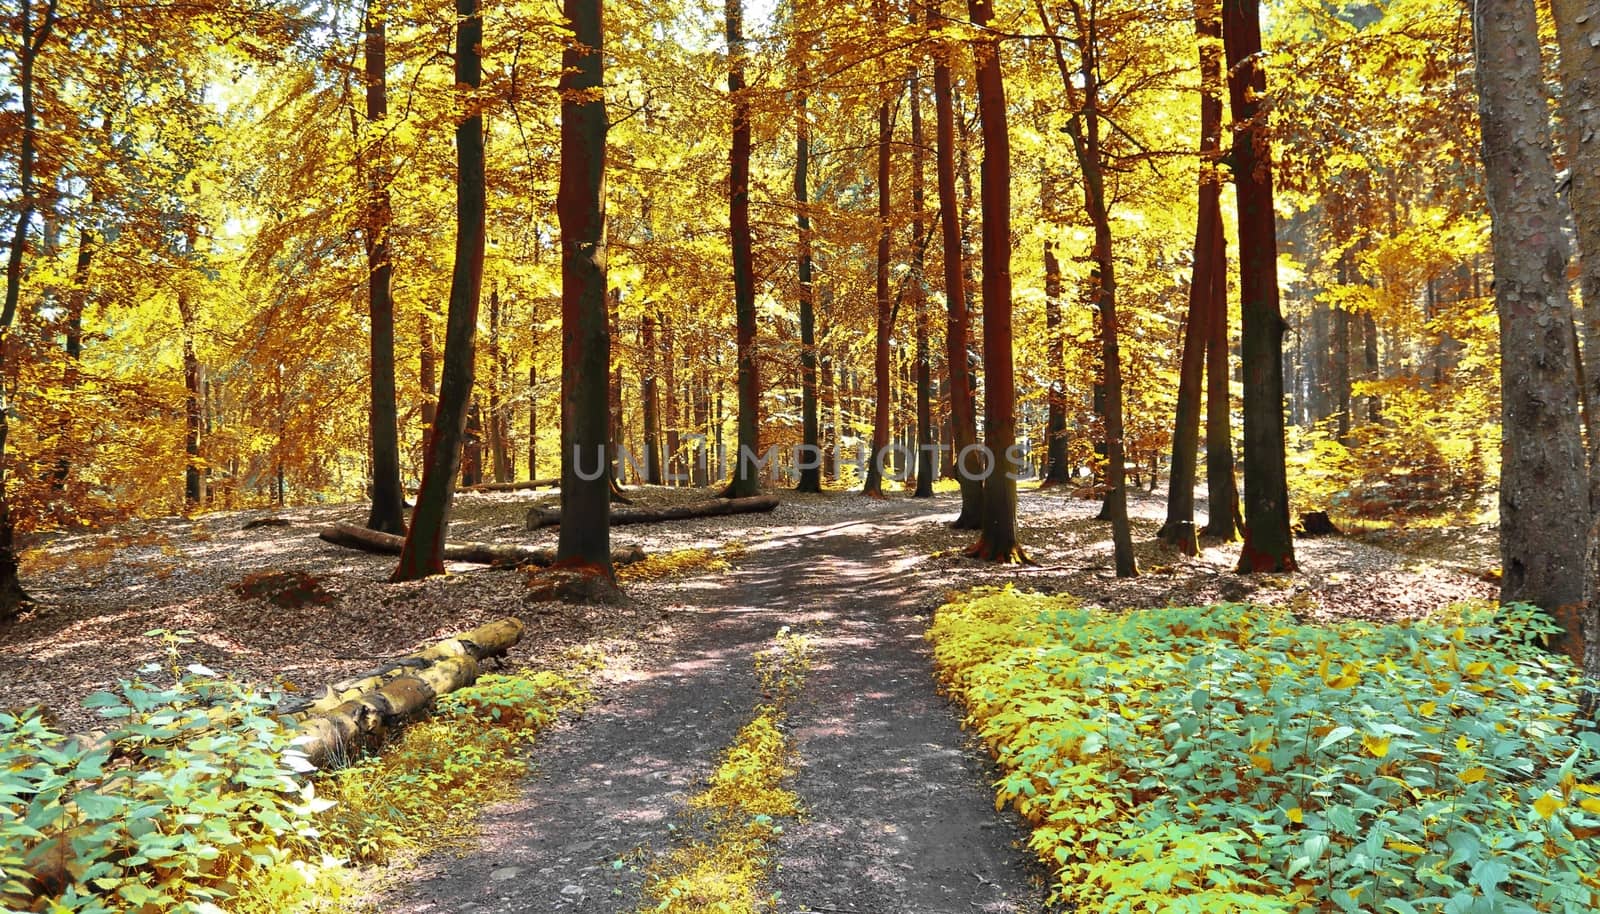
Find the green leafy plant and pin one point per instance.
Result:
(1226, 758)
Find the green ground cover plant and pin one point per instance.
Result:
(1228, 758)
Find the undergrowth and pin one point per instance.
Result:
(1227, 759)
(725, 871)
(678, 563)
(195, 802)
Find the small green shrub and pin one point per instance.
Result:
(1227, 759)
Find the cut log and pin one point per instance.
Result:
(522, 486)
(503, 555)
(714, 507)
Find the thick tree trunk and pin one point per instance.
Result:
(882, 394)
(810, 428)
(919, 292)
(388, 498)
(711, 507)
(958, 333)
(424, 549)
(1179, 529)
(192, 413)
(744, 482)
(648, 391)
(586, 344)
(998, 539)
(1268, 543)
(533, 416)
(1543, 490)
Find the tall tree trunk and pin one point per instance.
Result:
(1179, 529)
(919, 291)
(533, 415)
(192, 412)
(744, 482)
(669, 358)
(1543, 492)
(387, 513)
(1268, 543)
(880, 358)
(700, 398)
(998, 539)
(810, 430)
(1055, 431)
(423, 554)
(1084, 130)
(427, 375)
(648, 392)
(958, 333)
(1223, 519)
(499, 454)
(586, 342)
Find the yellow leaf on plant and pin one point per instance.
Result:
(1461, 744)
(1263, 762)
(1427, 708)
(1377, 745)
(1547, 805)
(1590, 806)
(1478, 668)
(1406, 846)
(1473, 775)
(1296, 815)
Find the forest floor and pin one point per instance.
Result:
(898, 815)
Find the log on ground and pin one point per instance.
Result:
(524, 485)
(504, 555)
(713, 507)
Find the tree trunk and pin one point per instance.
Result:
(1268, 543)
(1179, 529)
(810, 429)
(958, 333)
(388, 498)
(472, 448)
(1084, 130)
(648, 392)
(744, 482)
(669, 358)
(586, 343)
(919, 292)
(499, 455)
(1223, 519)
(192, 413)
(882, 394)
(533, 415)
(424, 549)
(998, 539)
(712, 507)
(427, 376)
(1543, 490)
(1055, 432)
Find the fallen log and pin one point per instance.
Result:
(524, 485)
(489, 641)
(503, 555)
(714, 507)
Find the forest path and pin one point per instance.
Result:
(898, 816)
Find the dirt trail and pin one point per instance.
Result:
(899, 815)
